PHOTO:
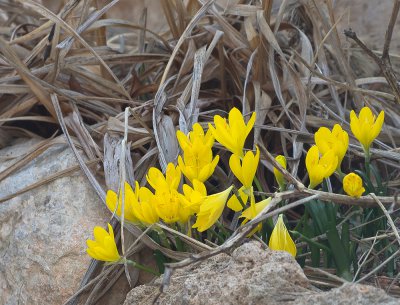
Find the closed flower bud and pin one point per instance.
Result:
(280, 239)
(278, 175)
(353, 185)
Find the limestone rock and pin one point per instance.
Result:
(251, 275)
(43, 232)
(349, 294)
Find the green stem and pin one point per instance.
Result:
(163, 238)
(367, 163)
(310, 241)
(142, 267)
(259, 188)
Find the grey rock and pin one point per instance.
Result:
(43, 232)
(251, 275)
(349, 294)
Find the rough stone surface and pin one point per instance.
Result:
(349, 294)
(251, 275)
(43, 232)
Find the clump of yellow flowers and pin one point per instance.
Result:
(179, 197)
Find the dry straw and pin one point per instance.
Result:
(69, 76)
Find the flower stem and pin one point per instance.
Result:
(367, 163)
(142, 267)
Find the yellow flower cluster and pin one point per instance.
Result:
(331, 146)
(197, 162)
(232, 135)
(171, 200)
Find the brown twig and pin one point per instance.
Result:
(383, 63)
(389, 31)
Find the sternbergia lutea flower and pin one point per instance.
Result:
(103, 247)
(318, 167)
(278, 175)
(353, 185)
(171, 179)
(366, 127)
(114, 203)
(336, 140)
(232, 134)
(166, 199)
(280, 239)
(244, 170)
(211, 209)
(252, 211)
(197, 162)
(193, 197)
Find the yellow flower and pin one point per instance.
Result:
(364, 127)
(253, 211)
(353, 185)
(232, 135)
(144, 209)
(211, 209)
(103, 248)
(129, 203)
(168, 207)
(245, 169)
(193, 197)
(337, 140)
(278, 175)
(197, 162)
(195, 139)
(171, 179)
(320, 168)
(280, 239)
(234, 203)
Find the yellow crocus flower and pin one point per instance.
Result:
(197, 162)
(318, 167)
(192, 198)
(195, 138)
(364, 127)
(280, 239)
(246, 168)
(144, 209)
(167, 204)
(211, 209)
(353, 185)
(103, 247)
(129, 203)
(234, 203)
(171, 179)
(337, 140)
(198, 166)
(278, 175)
(253, 211)
(232, 135)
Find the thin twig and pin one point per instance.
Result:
(384, 65)
(389, 218)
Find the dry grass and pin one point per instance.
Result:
(69, 77)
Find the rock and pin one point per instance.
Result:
(43, 232)
(251, 275)
(349, 294)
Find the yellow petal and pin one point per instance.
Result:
(353, 185)
(280, 239)
(249, 167)
(278, 175)
(211, 209)
(236, 167)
